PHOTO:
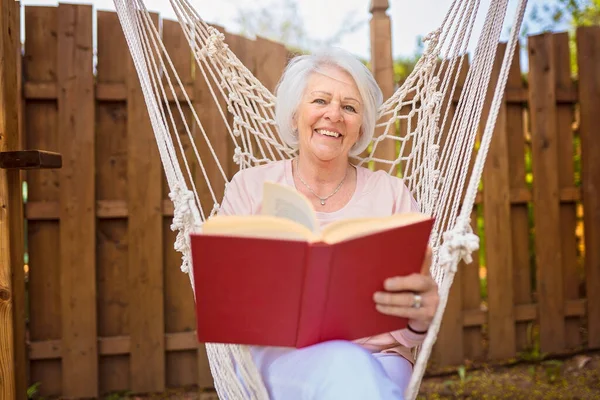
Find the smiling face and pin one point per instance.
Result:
(330, 115)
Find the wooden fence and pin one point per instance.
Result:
(538, 264)
(109, 309)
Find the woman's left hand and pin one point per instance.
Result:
(413, 296)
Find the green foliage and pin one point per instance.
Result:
(33, 390)
(575, 13)
(462, 375)
(483, 288)
(403, 66)
(553, 370)
(124, 395)
(533, 352)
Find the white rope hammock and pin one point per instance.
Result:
(434, 153)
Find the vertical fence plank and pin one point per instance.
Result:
(498, 242)
(77, 201)
(566, 180)
(211, 120)
(270, 60)
(12, 370)
(111, 185)
(519, 211)
(449, 348)
(40, 65)
(181, 366)
(473, 345)
(588, 59)
(144, 178)
(542, 102)
(207, 110)
(471, 296)
(244, 49)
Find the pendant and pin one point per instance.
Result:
(322, 202)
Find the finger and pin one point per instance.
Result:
(394, 299)
(421, 314)
(426, 268)
(412, 283)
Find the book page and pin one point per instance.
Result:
(351, 228)
(256, 226)
(285, 202)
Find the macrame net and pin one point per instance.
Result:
(435, 139)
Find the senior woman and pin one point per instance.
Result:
(326, 107)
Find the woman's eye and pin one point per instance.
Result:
(350, 108)
(319, 101)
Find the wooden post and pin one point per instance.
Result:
(12, 370)
(382, 66)
(588, 57)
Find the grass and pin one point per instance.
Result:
(576, 377)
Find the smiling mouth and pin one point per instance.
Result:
(327, 133)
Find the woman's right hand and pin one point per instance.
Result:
(413, 296)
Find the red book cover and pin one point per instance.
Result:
(293, 293)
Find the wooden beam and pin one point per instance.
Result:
(118, 92)
(13, 372)
(30, 159)
(113, 345)
(182, 341)
(525, 313)
(103, 91)
(524, 196)
(105, 209)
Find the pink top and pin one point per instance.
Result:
(376, 194)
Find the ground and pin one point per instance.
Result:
(570, 377)
(574, 377)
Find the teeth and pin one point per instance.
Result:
(328, 133)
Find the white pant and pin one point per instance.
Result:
(331, 371)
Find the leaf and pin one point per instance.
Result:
(33, 390)
(462, 373)
(581, 361)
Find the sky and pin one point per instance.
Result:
(410, 18)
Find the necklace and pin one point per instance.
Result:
(323, 199)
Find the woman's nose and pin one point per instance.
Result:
(334, 113)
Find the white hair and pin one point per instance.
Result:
(290, 90)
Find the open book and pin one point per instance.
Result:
(288, 214)
(276, 279)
